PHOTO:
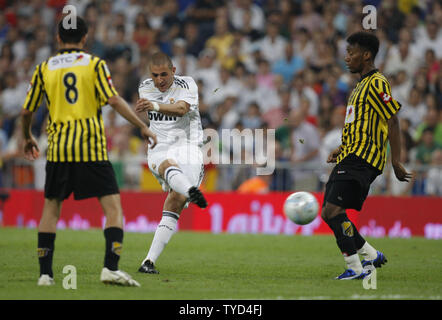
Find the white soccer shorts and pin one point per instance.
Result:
(188, 157)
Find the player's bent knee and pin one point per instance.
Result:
(329, 211)
(166, 164)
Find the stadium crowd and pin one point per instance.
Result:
(275, 64)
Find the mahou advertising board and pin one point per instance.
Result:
(234, 213)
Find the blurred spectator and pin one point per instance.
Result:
(275, 117)
(245, 12)
(203, 13)
(236, 57)
(332, 138)
(252, 92)
(228, 86)
(208, 72)
(11, 100)
(433, 186)
(337, 95)
(195, 42)
(300, 89)
(185, 64)
(426, 147)
(305, 144)
(401, 58)
(433, 121)
(325, 113)
(272, 45)
(226, 115)
(222, 40)
(401, 86)
(414, 109)
(432, 65)
(143, 34)
(406, 137)
(430, 37)
(119, 47)
(289, 65)
(252, 119)
(264, 77)
(282, 179)
(309, 19)
(93, 44)
(302, 44)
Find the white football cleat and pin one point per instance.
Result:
(117, 277)
(45, 280)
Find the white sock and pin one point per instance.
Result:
(354, 263)
(176, 179)
(368, 252)
(165, 230)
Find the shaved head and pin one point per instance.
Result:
(160, 59)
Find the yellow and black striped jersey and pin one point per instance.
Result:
(365, 132)
(75, 85)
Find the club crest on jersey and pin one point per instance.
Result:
(385, 97)
(350, 114)
(172, 100)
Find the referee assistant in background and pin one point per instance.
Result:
(76, 85)
(370, 120)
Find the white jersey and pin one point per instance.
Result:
(171, 129)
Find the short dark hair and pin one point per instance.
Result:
(72, 35)
(366, 40)
(160, 58)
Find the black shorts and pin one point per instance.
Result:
(349, 183)
(84, 179)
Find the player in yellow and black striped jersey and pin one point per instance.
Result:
(369, 122)
(75, 128)
(76, 85)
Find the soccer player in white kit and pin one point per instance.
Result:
(176, 161)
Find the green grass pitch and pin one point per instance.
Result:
(198, 266)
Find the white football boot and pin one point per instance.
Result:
(45, 280)
(117, 277)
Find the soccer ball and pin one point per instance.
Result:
(301, 207)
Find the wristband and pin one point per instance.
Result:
(156, 106)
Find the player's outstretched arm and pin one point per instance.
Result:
(121, 106)
(30, 147)
(177, 109)
(394, 136)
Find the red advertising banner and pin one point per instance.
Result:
(234, 213)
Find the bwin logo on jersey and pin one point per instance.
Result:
(155, 116)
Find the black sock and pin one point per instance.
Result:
(344, 232)
(45, 252)
(359, 240)
(114, 244)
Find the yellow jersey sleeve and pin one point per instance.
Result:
(35, 91)
(103, 82)
(383, 102)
